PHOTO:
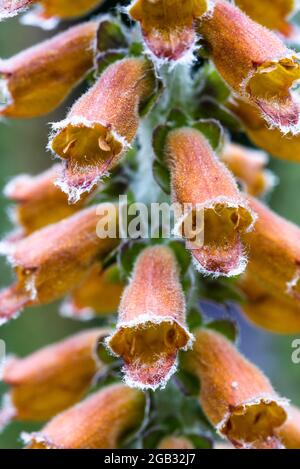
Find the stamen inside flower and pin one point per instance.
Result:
(270, 86)
(89, 150)
(149, 350)
(253, 421)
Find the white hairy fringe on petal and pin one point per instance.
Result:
(4, 14)
(263, 398)
(290, 286)
(241, 267)
(67, 310)
(153, 387)
(7, 411)
(5, 95)
(33, 18)
(38, 437)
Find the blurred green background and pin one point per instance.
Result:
(22, 149)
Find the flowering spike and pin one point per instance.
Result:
(98, 295)
(248, 166)
(274, 253)
(235, 395)
(255, 63)
(151, 326)
(53, 260)
(39, 201)
(168, 25)
(101, 421)
(38, 79)
(286, 147)
(51, 370)
(274, 312)
(102, 124)
(200, 179)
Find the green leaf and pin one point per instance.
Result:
(108, 58)
(210, 108)
(200, 441)
(110, 37)
(226, 327)
(158, 141)
(128, 254)
(212, 131)
(177, 118)
(182, 255)
(194, 318)
(162, 176)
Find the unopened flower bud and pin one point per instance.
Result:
(199, 179)
(98, 295)
(53, 378)
(235, 395)
(99, 422)
(54, 260)
(168, 25)
(102, 124)
(37, 80)
(151, 326)
(255, 63)
(39, 202)
(248, 166)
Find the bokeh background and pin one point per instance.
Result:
(22, 150)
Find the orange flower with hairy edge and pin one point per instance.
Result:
(168, 25)
(175, 442)
(102, 124)
(274, 14)
(248, 166)
(283, 146)
(235, 395)
(101, 421)
(53, 260)
(53, 378)
(255, 63)
(274, 252)
(38, 201)
(289, 432)
(65, 9)
(275, 313)
(98, 295)
(200, 179)
(151, 326)
(37, 80)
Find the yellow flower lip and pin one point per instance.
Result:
(149, 350)
(168, 25)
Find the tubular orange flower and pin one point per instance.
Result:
(284, 146)
(53, 260)
(235, 395)
(101, 124)
(248, 166)
(274, 252)
(175, 442)
(151, 327)
(39, 201)
(53, 378)
(200, 179)
(289, 432)
(37, 80)
(168, 25)
(101, 421)
(98, 295)
(273, 14)
(275, 313)
(255, 63)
